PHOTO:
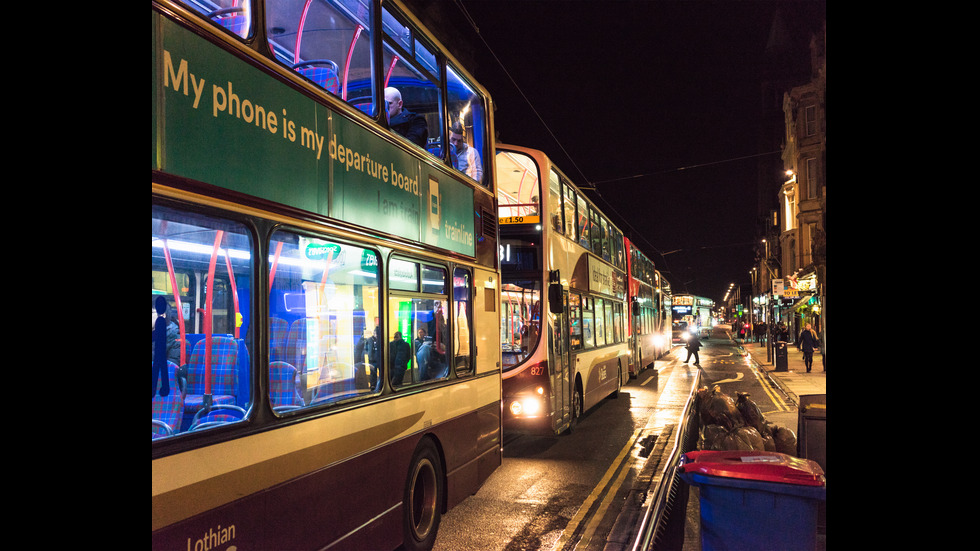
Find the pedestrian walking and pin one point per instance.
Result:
(807, 342)
(693, 344)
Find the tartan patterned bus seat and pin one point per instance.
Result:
(234, 23)
(364, 107)
(168, 410)
(296, 349)
(296, 345)
(278, 331)
(243, 393)
(224, 373)
(282, 385)
(218, 415)
(324, 77)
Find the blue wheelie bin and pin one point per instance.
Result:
(755, 499)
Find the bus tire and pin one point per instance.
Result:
(423, 498)
(619, 382)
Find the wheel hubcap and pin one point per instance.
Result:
(423, 499)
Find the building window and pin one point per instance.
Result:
(812, 178)
(810, 115)
(789, 209)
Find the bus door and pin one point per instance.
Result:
(635, 359)
(561, 382)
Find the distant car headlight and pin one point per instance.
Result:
(685, 335)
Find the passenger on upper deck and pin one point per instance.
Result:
(403, 121)
(467, 158)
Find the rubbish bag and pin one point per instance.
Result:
(712, 438)
(785, 440)
(743, 438)
(752, 414)
(718, 438)
(717, 408)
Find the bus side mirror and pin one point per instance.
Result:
(555, 305)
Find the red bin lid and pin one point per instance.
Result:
(754, 465)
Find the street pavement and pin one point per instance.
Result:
(795, 382)
(798, 386)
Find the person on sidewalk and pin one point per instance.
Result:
(693, 344)
(807, 342)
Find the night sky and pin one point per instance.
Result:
(657, 104)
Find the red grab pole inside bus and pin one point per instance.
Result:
(350, 54)
(299, 31)
(234, 290)
(275, 264)
(208, 329)
(391, 68)
(173, 283)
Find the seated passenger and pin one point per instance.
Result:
(431, 360)
(403, 121)
(467, 158)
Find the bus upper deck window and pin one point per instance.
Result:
(467, 126)
(411, 82)
(233, 15)
(328, 42)
(518, 184)
(554, 203)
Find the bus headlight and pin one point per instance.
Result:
(532, 406)
(525, 406)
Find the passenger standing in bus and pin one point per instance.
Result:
(467, 158)
(173, 334)
(399, 353)
(403, 121)
(159, 343)
(368, 346)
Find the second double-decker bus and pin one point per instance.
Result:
(325, 309)
(649, 335)
(563, 296)
(692, 313)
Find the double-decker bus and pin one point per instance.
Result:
(649, 336)
(691, 313)
(326, 364)
(563, 326)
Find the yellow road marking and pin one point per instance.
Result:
(587, 504)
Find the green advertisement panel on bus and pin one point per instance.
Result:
(275, 143)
